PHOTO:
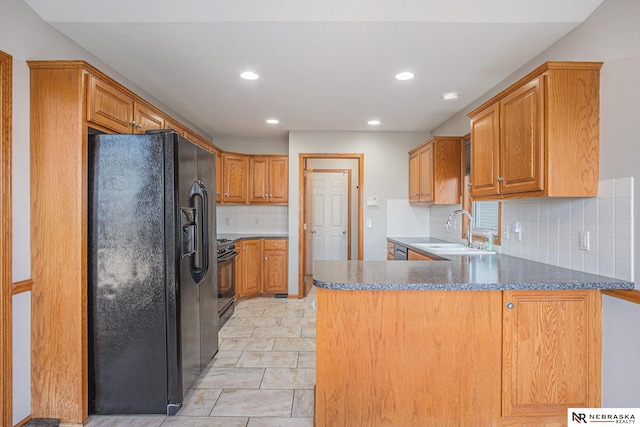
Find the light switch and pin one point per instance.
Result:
(368, 222)
(584, 243)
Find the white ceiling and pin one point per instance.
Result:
(325, 65)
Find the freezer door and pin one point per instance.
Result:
(126, 275)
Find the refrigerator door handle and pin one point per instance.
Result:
(189, 232)
(200, 266)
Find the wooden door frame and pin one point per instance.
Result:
(301, 203)
(6, 285)
(348, 172)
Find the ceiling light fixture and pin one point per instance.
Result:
(374, 122)
(249, 75)
(450, 95)
(405, 75)
(273, 121)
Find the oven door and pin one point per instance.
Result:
(226, 285)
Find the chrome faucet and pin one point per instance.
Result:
(468, 215)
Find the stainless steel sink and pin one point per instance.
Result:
(451, 249)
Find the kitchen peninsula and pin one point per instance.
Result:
(488, 340)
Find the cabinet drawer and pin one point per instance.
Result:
(280, 244)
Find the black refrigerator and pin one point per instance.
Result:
(152, 272)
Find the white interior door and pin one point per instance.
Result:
(330, 215)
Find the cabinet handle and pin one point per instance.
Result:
(470, 184)
(226, 194)
(244, 248)
(500, 179)
(138, 125)
(131, 122)
(275, 244)
(265, 258)
(270, 195)
(509, 305)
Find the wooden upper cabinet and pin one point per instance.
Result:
(539, 137)
(108, 106)
(435, 171)
(551, 353)
(485, 160)
(146, 118)
(414, 176)
(268, 179)
(234, 178)
(218, 176)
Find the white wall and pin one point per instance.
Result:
(385, 175)
(612, 35)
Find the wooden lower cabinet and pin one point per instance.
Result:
(456, 358)
(551, 353)
(249, 268)
(262, 267)
(417, 256)
(274, 269)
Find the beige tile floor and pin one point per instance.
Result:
(262, 376)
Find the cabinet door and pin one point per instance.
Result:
(218, 176)
(522, 147)
(485, 152)
(234, 179)
(146, 118)
(426, 173)
(108, 106)
(279, 180)
(250, 263)
(417, 256)
(551, 352)
(414, 176)
(258, 179)
(275, 266)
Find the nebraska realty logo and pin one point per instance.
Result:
(581, 416)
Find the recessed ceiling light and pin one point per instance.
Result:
(273, 121)
(373, 122)
(249, 75)
(450, 95)
(405, 75)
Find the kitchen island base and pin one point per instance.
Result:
(456, 358)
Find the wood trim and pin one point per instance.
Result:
(6, 351)
(22, 286)
(24, 421)
(301, 190)
(631, 295)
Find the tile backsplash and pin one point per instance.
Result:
(405, 220)
(551, 229)
(241, 219)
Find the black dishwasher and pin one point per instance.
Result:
(399, 252)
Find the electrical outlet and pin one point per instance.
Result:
(584, 243)
(227, 221)
(256, 221)
(368, 222)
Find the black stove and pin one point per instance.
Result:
(225, 246)
(226, 254)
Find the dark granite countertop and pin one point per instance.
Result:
(484, 272)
